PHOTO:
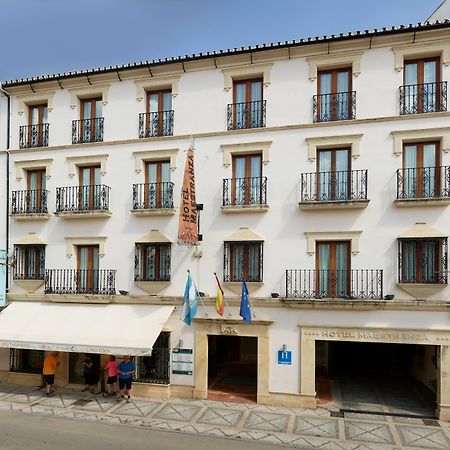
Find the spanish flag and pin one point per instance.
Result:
(219, 299)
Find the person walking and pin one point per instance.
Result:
(51, 363)
(111, 370)
(126, 370)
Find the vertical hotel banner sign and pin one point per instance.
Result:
(188, 228)
(3, 262)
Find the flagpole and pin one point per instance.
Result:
(225, 300)
(251, 306)
(201, 299)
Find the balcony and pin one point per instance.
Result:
(346, 189)
(423, 186)
(32, 136)
(29, 205)
(423, 98)
(246, 115)
(83, 201)
(359, 284)
(333, 107)
(153, 199)
(79, 281)
(245, 195)
(87, 130)
(155, 124)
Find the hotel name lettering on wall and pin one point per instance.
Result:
(229, 330)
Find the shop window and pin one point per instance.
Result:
(155, 368)
(26, 361)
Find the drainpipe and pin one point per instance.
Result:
(8, 143)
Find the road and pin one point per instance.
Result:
(20, 431)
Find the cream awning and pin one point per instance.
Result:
(422, 230)
(85, 328)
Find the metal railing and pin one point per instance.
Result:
(29, 262)
(244, 191)
(246, 115)
(87, 130)
(243, 260)
(29, 202)
(338, 106)
(346, 284)
(156, 124)
(80, 281)
(153, 195)
(152, 262)
(31, 136)
(342, 185)
(26, 361)
(423, 182)
(82, 198)
(423, 98)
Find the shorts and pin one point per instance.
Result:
(111, 380)
(49, 379)
(91, 379)
(125, 383)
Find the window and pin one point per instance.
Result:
(333, 269)
(152, 262)
(36, 198)
(90, 126)
(90, 196)
(155, 368)
(243, 260)
(158, 192)
(422, 91)
(29, 262)
(421, 171)
(88, 269)
(160, 114)
(333, 174)
(36, 133)
(248, 108)
(335, 99)
(247, 183)
(26, 361)
(423, 260)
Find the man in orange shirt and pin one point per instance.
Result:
(51, 363)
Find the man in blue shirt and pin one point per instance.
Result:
(126, 371)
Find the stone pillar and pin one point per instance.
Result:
(201, 365)
(308, 371)
(443, 392)
(263, 369)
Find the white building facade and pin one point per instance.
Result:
(322, 178)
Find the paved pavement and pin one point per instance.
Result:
(325, 427)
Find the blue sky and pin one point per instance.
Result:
(39, 37)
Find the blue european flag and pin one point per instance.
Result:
(245, 312)
(190, 301)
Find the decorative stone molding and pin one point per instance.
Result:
(247, 147)
(154, 155)
(421, 135)
(352, 140)
(72, 241)
(152, 287)
(35, 99)
(241, 73)
(422, 230)
(421, 291)
(156, 83)
(328, 61)
(314, 236)
(23, 166)
(244, 235)
(100, 90)
(80, 161)
(236, 286)
(153, 237)
(233, 209)
(29, 285)
(30, 239)
(421, 49)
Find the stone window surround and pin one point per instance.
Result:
(421, 135)
(156, 83)
(35, 99)
(245, 72)
(141, 157)
(80, 161)
(352, 140)
(334, 60)
(73, 241)
(317, 236)
(421, 49)
(23, 166)
(77, 94)
(248, 147)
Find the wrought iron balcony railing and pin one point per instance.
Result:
(29, 262)
(345, 185)
(80, 281)
(246, 115)
(346, 284)
(29, 202)
(87, 130)
(244, 191)
(31, 136)
(423, 98)
(331, 107)
(152, 262)
(153, 195)
(156, 124)
(82, 198)
(423, 183)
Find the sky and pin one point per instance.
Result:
(40, 37)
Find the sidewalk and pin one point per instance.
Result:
(322, 428)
